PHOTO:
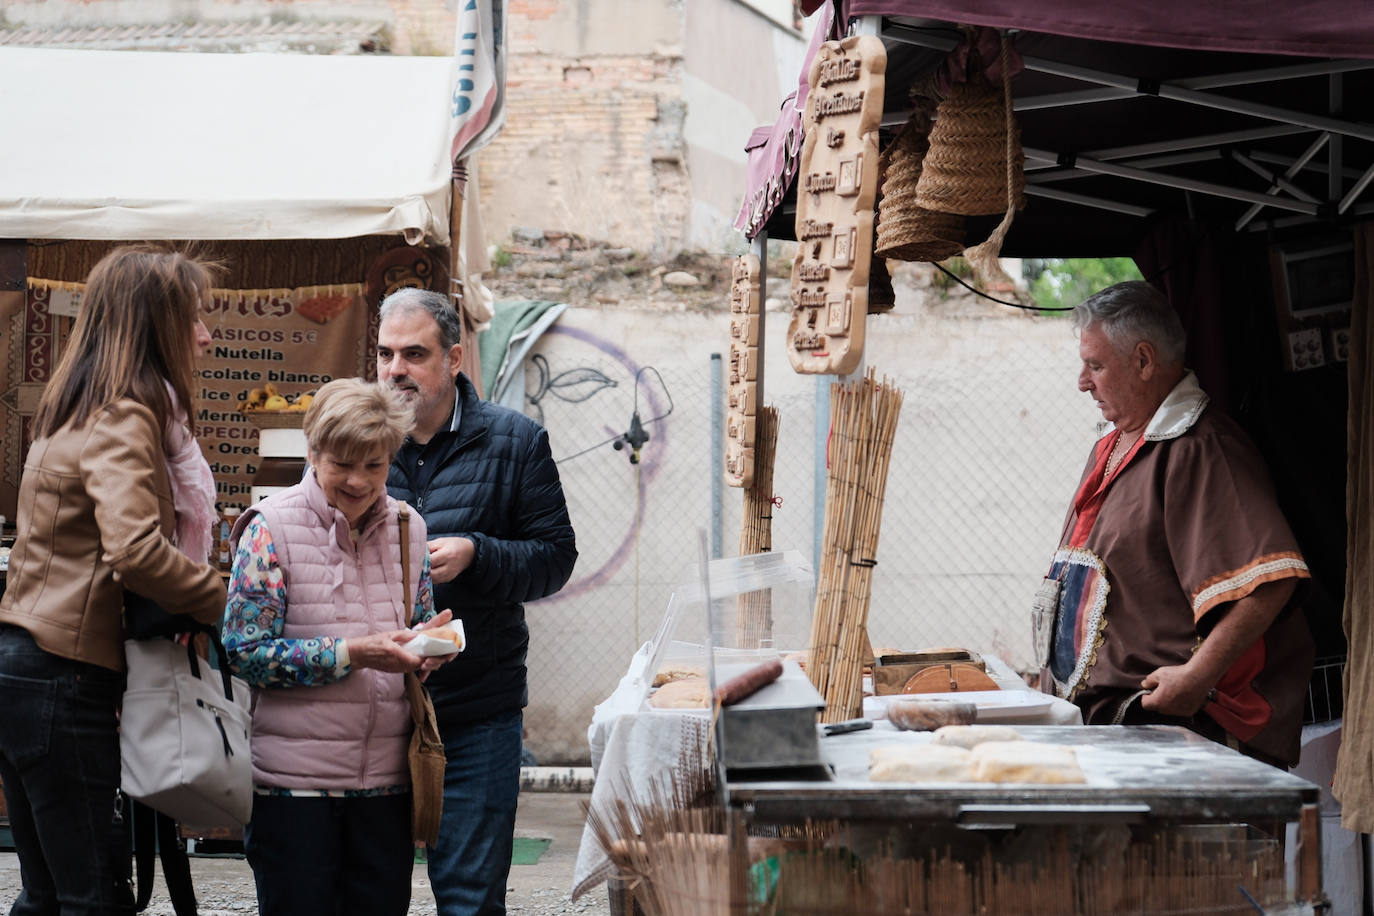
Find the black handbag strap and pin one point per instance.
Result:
(155, 836)
(143, 822)
(221, 656)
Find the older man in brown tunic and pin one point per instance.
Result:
(1171, 596)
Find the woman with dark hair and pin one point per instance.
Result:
(97, 515)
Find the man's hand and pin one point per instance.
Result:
(383, 651)
(1175, 690)
(1181, 690)
(450, 556)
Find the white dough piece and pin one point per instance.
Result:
(1025, 762)
(971, 736)
(919, 763)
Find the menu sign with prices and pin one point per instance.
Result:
(836, 188)
(743, 385)
(295, 339)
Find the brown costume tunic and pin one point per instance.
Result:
(1186, 525)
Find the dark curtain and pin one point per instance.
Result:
(1182, 259)
(1354, 784)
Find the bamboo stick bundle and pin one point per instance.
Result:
(817, 881)
(828, 624)
(883, 405)
(863, 425)
(754, 615)
(826, 621)
(666, 847)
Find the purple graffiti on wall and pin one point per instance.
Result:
(650, 463)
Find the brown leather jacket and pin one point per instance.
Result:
(96, 517)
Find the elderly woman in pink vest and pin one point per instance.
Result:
(317, 622)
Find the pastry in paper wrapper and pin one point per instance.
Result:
(448, 639)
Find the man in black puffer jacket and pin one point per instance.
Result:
(485, 482)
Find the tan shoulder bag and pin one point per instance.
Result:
(426, 747)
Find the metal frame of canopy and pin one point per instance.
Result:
(1139, 162)
(1261, 142)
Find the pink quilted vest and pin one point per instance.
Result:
(353, 733)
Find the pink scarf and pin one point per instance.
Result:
(193, 486)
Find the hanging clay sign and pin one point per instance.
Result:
(742, 379)
(836, 186)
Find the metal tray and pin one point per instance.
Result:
(1134, 773)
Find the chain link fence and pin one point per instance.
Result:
(991, 442)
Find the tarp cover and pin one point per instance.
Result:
(1320, 28)
(134, 145)
(1128, 113)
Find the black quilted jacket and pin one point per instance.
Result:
(496, 483)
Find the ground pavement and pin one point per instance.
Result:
(224, 886)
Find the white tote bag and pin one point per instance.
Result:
(184, 735)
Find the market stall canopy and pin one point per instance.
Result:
(1258, 116)
(133, 145)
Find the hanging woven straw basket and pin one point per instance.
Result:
(974, 145)
(906, 231)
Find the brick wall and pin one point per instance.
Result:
(422, 26)
(591, 145)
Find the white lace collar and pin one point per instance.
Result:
(1179, 411)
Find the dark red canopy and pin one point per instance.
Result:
(1238, 114)
(1317, 28)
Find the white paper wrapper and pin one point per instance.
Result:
(423, 645)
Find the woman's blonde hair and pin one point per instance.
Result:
(351, 418)
(133, 337)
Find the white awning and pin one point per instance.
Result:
(134, 145)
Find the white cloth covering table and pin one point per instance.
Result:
(632, 750)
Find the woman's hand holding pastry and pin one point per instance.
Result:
(438, 627)
(383, 651)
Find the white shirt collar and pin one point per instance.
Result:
(457, 411)
(1179, 411)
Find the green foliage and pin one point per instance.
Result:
(957, 266)
(501, 258)
(1065, 282)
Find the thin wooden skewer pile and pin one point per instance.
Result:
(754, 617)
(863, 423)
(685, 856)
(1168, 875)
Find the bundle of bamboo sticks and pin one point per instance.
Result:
(1168, 875)
(685, 855)
(754, 615)
(863, 423)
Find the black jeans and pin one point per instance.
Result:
(331, 856)
(59, 760)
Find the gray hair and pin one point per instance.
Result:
(437, 305)
(1131, 312)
